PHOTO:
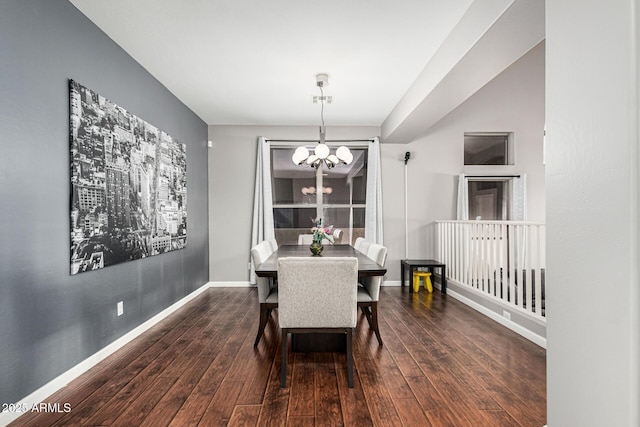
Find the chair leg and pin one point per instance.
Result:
(350, 356)
(264, 316)
(283, 362)
(367, 314)
(374, 320)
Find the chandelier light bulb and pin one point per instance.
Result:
(333, 159)
(300, 155)
(295, 159)
(312, 159)
(302, 152)
(342, 153)
(349, 158)
(322, 151)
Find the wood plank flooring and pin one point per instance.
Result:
(442, 364)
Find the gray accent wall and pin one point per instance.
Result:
(49, 320)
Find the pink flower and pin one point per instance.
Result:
(320, 232)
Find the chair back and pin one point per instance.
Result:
(358, 242)
(259, 254)
(377, 253)
(305, 239)
(317, 292)
(337, 235)
(273, 244)
(364, 246)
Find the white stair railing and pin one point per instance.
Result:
(504, 260)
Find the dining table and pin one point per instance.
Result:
(366, 266)
(314, 342)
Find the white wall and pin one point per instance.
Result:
(232, 162)
(513, 101)
(592, 215)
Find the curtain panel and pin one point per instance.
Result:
(463, 198)
(373, 230)
(262, 200)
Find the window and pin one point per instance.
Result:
(294, 196)
(489, 200)
(484, 148)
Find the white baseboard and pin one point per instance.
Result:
(390, 283)
(230, 284)
(62, 380)
(535, 338)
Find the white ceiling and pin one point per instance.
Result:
(399, 65)
(255, 61)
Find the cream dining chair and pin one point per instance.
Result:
(267, 292)
(364, 246)
(310, 301)
(337, 236)
(273, 245)
(369, 292)
(307, 239)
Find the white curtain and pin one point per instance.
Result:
(262, 200)
(373, 210)
(463, 198)
(519, 198)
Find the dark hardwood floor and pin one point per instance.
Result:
(442, 364)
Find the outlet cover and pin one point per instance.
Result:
(120, 308)
(506, 314)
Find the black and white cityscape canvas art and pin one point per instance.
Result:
(128, 185)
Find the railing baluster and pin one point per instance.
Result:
(466, 260)
(537, 269)
(528, 252)
(460, 245)
(492, 270)
(504, 260)
(475, 252)
(511, 268)
(520, 276)
(481, 257)
(491, 259)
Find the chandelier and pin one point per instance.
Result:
(322, 153)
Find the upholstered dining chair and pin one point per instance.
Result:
(369, 292)
(364, 246)
(358, 242)
(337, 236)
(267, 293)
(317, 295)
(307, 239)
(273, 245)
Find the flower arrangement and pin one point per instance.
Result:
(321, 232)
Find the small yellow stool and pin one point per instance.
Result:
(427, 280)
